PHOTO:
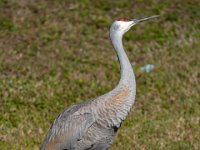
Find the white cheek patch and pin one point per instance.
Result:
(124, 24)
(117, 27)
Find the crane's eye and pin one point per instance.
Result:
(122, 19)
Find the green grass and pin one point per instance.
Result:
(56, 53)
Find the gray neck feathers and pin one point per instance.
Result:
(119, 101)
(126, 72)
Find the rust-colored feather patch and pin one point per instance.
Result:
(119, 98)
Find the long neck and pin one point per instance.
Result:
(126, 72)
(119, 101)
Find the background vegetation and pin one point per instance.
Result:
(56, 53)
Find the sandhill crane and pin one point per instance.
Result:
(92, 125)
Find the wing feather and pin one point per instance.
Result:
(68, 128)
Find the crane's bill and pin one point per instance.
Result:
(144, 18)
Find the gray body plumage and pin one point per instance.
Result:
(92, 125)
(89, 125)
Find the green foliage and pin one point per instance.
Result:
(6, 24)
(56, 53)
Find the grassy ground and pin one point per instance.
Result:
(55, 53)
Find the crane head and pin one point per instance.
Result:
(122, 25)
